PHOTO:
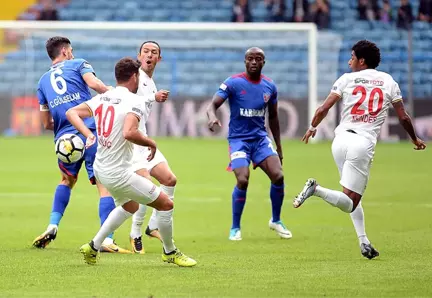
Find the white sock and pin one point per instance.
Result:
(137, 221)
(113, 221)
(335, 198)
(357, 217)
(50, 226)
(153, 221)
(165, 229)
(169, 190)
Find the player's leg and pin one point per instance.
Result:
(161, 171)
(69, 175)
(267, 159)
(345, 200)
(140, 190)
(240, 160)
(138, 219)
(164, 207)
(106, 201)
(353, 155)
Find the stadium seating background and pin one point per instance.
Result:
(198, 72)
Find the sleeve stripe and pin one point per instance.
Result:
(396, 100)
(91, 112)
(334, 92)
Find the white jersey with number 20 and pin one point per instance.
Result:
(114, 152)
(366, 96)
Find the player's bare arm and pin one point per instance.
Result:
(162, 95)
(75, 116)
(132, 134)
(274, 127)
(47, 120)
(405, 121)
(216, 102)
(95, 83)
(320, 114)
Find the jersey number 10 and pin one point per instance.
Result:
(105, 126)
(356, 110)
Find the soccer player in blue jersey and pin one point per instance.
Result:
(249, 95)
(65, 85)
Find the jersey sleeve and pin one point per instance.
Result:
(339, 85)
(225, 89)
(93, 104)
(395, 93)
(273, 97)
(85, 67)
(136, 107)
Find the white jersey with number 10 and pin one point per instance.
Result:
(114, 152)
(366, 96)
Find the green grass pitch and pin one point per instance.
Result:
(322, 259)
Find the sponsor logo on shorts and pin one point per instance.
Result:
(152, 190)
(238, 154)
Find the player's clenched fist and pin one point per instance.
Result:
(161, 95)
(212, 123)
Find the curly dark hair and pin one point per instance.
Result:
(369, 52)
(126, 68)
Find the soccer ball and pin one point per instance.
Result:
(69, 148)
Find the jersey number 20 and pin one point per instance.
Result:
(356, 110)
(57, 80)
(105, 125)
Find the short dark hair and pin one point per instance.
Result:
(369, 52)
(54, 45)
(150, 41)
(126, 68)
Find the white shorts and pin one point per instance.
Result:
(140, 159)
(353, 155)
(135, 188)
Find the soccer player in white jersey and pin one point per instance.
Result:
(117, 115)
(366, 95)
(149, 55)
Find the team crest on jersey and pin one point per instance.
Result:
(266, 97)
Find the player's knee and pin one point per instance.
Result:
(166, 205)
(277, 178)
(242, 182)
(69, 181)
(170, 180)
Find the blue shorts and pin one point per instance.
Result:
(243, 151)
(72, 169)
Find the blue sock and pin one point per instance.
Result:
(238, 202)
(277, 193)
(106, 205)
(61, 200)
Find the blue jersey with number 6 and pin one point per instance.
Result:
(61, 88)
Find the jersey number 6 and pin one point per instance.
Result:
(102, 124)
(57, 80)
(356, 108)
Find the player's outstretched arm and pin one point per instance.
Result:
(216, 102)
(274, 127)
(94, 83)
(76, 115)
(320, 114)
(405, 121)
(132, 134)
